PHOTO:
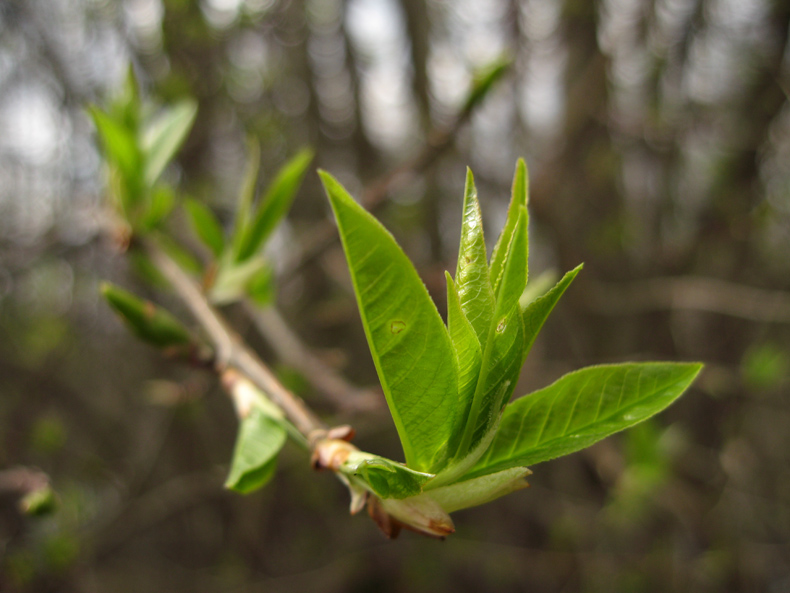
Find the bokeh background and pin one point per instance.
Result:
(657, 133)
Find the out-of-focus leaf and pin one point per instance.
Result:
(274, 205)
(39, 502)
(485, 81)
(246, 194)
(146, 320)
(163, 136)
(181, 256)
(146, 270)
(582, 408)
(260, 288)
(471, 277)
(120, 147)
(126, 107)
(161, 205)
(765, 366)
(258, 442)
(410, 345)
(206, 226)
(233, 279)
(537, 311)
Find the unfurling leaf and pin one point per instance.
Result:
(480, 490)
(147, 321)
(501, 363)
(471, 277)
(383, 477)
(518, 199)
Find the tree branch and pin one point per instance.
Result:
(292, 351)
(230, 351)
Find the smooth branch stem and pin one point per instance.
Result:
(230, 350)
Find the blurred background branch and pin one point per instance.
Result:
(696, 294)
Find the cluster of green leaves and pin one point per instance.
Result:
(139, 141)
(240, 268)
(448, 385)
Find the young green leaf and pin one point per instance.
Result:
(535, 312)
(206, 226)
(471, 276)
(119, 143)
(384, 477)
(121, 150)
(125, 108)
(480, 490)
(582, 408)
(233, 279)
(146, 320)
(513, 278)
(485, 81)
(502, 357)
(260, 287)
(274, 205)
(537, 287)
(163, 136)
(518, 199)
(161, 203)
(467, 349)
(246, 194)
(258, 442)
(408, 340)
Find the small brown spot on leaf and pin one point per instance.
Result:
(397, 326)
